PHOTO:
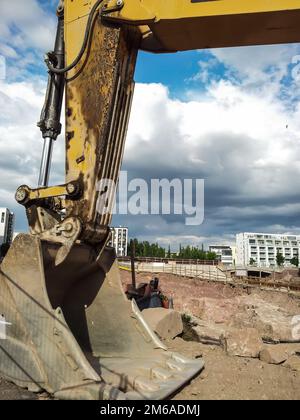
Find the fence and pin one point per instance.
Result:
(213, 273)
(210, 272)
(170, 261)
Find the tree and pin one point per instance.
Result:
(211, 256)
(169, 252)
(280, 259)
(195, 253)
(295, 261)
(145, 249)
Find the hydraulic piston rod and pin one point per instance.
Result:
(49, 123)
(46, 162)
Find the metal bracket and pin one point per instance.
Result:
(131, 12)
(65, 233)
(60, 7)
(112, 6)
(26, 195)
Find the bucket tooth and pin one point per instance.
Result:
(160, 373)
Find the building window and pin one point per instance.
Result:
(2, 217)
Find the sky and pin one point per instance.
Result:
(228, 116)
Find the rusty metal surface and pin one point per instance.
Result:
(98, 101)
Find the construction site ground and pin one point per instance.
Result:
(224, 376)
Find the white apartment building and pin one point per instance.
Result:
(224, 253)
(261, 249)
(119, 240)
(7, 220)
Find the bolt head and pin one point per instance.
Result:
(71, 188)
(68, 227)
(21, 195)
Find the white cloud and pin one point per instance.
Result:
(35, 28)
(20, 139)
(254, 61)
(227, 136)
(27, 31)
(244, 144)
(258, 68)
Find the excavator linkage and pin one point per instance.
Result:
(72, 332)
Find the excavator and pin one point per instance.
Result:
(70, 329)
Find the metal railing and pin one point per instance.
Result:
(211, 273)
(205, 272)
(171, 261)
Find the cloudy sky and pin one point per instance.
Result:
(229, 116)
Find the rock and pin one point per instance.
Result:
(167, 323)
(244, 343)
(278, 353)
(293, 363)
(274, 323)
(213, 310)
(211, 334)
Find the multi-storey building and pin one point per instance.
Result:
(261, 249)
(7, 220)
(224, 253)
(119, 240)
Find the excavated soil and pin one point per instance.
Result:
(226, 377)
(235, 378)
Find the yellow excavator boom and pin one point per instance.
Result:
(177, 25)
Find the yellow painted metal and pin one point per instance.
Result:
(178, 25)
(78, 9)
(40, 193)
(98, 100)
(76, 16)
(123, 268)
(144, 10)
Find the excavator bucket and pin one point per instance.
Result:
(71, 331)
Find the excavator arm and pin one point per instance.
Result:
(73, 332)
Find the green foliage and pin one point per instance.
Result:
(186, 318)
(280, 259)
(195, 253)
(145, 249)
(295, 261)
(169, 252)
(252, 261)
